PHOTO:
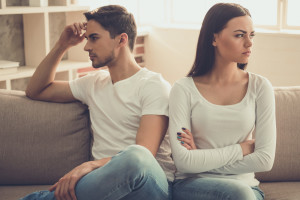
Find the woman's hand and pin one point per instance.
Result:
(248, 147)
(186, 139)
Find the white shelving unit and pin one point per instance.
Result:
(37, 38)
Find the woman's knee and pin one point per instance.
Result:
(240, 190)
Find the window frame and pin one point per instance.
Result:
(282, 9)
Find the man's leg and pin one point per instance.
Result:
(132, 174)
(213, 189)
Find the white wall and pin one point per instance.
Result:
(171, 51)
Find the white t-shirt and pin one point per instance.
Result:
(116, 110)
(218, 130)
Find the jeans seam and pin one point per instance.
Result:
(112, 191)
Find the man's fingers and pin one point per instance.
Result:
(52, 188)
(72, 185)
(64, 192)
(78, 29)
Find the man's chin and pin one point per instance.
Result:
(97, 66)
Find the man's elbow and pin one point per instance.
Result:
(30, 94)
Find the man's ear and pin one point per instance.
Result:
(123, 39)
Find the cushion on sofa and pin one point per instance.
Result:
(287, 158)
(16, 192)
(36, 135)
(281, 190)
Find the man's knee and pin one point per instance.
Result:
(137, 156)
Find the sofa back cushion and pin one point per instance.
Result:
(287, 158)
(40, 141)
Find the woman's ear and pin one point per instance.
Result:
(214, 43)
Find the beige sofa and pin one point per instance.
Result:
(41, 141)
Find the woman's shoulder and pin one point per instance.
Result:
(259, 82)
(184, 82)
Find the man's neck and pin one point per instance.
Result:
(124, 67)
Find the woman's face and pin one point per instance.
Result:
(234, 42)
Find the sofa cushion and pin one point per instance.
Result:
(281, 190)
(40, 141)
(287, 158)
(17, 192)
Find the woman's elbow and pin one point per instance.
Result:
(267, 163)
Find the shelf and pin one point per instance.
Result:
(13, 10)
(27, 71)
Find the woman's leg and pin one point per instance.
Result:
(212, 189)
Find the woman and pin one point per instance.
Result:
(215, 110)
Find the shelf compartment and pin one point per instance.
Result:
(10, 10)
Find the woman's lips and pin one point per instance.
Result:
(247, 53)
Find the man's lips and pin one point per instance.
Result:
(92, 56)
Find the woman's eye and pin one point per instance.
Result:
(239, 35)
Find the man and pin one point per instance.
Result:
(128, 110)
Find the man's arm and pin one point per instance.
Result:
(151, 132)
(42, 85)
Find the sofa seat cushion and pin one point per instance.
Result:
(281, 190)
(40, 141)
(17, 192)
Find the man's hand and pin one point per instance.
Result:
(186, 139)
(72, 35)
(248, 147)
(65, 187)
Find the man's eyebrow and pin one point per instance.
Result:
(92, 35)
(243, 31)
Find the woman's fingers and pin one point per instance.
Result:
(186, 137)
(186, 146)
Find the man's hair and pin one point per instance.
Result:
(116, 20)
(214, 21)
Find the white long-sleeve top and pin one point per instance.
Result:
(218, 130)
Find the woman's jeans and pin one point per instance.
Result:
(131, 174)
(214, 189)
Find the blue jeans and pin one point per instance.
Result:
(214, 189)
(131, 174)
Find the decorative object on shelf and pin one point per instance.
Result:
(38, 3)
(8, 67)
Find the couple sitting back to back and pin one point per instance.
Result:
(211, 114)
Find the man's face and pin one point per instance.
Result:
(100, 45)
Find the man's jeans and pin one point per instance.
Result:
(131, 174)
(214, 189)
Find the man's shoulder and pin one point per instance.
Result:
(100, 76)
(150, 77)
